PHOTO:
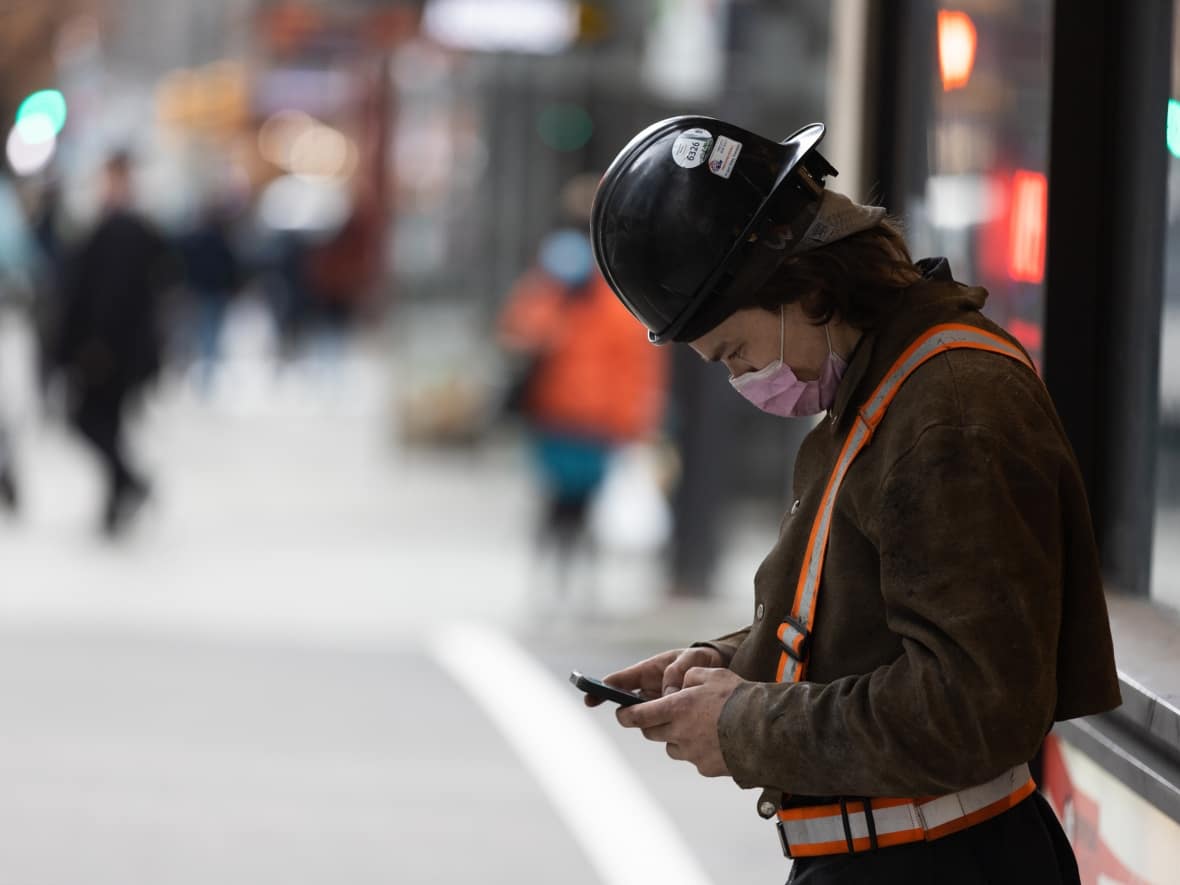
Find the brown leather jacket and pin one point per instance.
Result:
(961, 610)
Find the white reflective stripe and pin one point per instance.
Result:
(926, 816)
(896, 819)
(945, 809)
(790, 634)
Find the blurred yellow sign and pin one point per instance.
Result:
(213, 98)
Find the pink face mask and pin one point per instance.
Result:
(776, 390)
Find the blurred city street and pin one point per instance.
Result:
(248, 688)
(332, 436)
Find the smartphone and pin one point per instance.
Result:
(598, 689)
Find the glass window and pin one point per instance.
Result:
(1166, 553)
(975, 182)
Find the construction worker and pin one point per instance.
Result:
(934, 601)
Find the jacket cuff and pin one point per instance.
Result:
(726, 645)
(747, 704)
(724, 649)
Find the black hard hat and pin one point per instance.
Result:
(691, 214)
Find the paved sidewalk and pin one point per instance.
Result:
(310, 521)
(239, 692)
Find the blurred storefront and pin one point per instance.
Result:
(1034, 144)
(970, 167)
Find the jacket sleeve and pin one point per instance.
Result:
(969, 535)
(727, 645)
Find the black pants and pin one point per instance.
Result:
(1023, 845)
(98, 416)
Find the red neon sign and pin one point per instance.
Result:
(1027, 220)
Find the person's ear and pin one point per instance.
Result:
(776, 238)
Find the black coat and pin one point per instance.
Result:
(111, 326)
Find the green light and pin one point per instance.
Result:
(1174, 127)
(565, 127)
(48, 103)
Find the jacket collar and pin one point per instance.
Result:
(934, 299)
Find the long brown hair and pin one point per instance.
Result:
(858, 278)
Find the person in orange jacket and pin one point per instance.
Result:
(592, 384)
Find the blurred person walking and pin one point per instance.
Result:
(8, 491)
(110, 335)
(588, 384)
(212, 275)
(45, 224)
(341, 269)
(18, 267)
(934, 602)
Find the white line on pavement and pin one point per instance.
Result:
(626, 836)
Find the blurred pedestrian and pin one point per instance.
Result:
(17, 266)
(8, 491)
(110, 335)
(934, 602)
(588, 382)
(45, 223)
(212, 273)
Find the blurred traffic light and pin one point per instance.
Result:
(564, 126)
(957, 40)
(1174, 127)
(32, 140)
(47, 104)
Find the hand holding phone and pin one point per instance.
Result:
(598, 689)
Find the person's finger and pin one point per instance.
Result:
(590, 700)
(646, 715)
(691, 657)
(628, 679)
(659, 733)
(644, 676)
(673, 750)
(698, 676)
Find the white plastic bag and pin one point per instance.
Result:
(630, 513)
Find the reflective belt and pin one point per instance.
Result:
(845, 827)
(795, 632)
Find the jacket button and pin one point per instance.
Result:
(767, 809)
(794, 507)
(759, 611)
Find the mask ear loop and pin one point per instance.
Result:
(828, 332)
(782, 327)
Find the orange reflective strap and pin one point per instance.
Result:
(939, 339)
(795, 632)
(859, 843)
(861, 824)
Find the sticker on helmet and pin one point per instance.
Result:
(724, 156)
(691, 147)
